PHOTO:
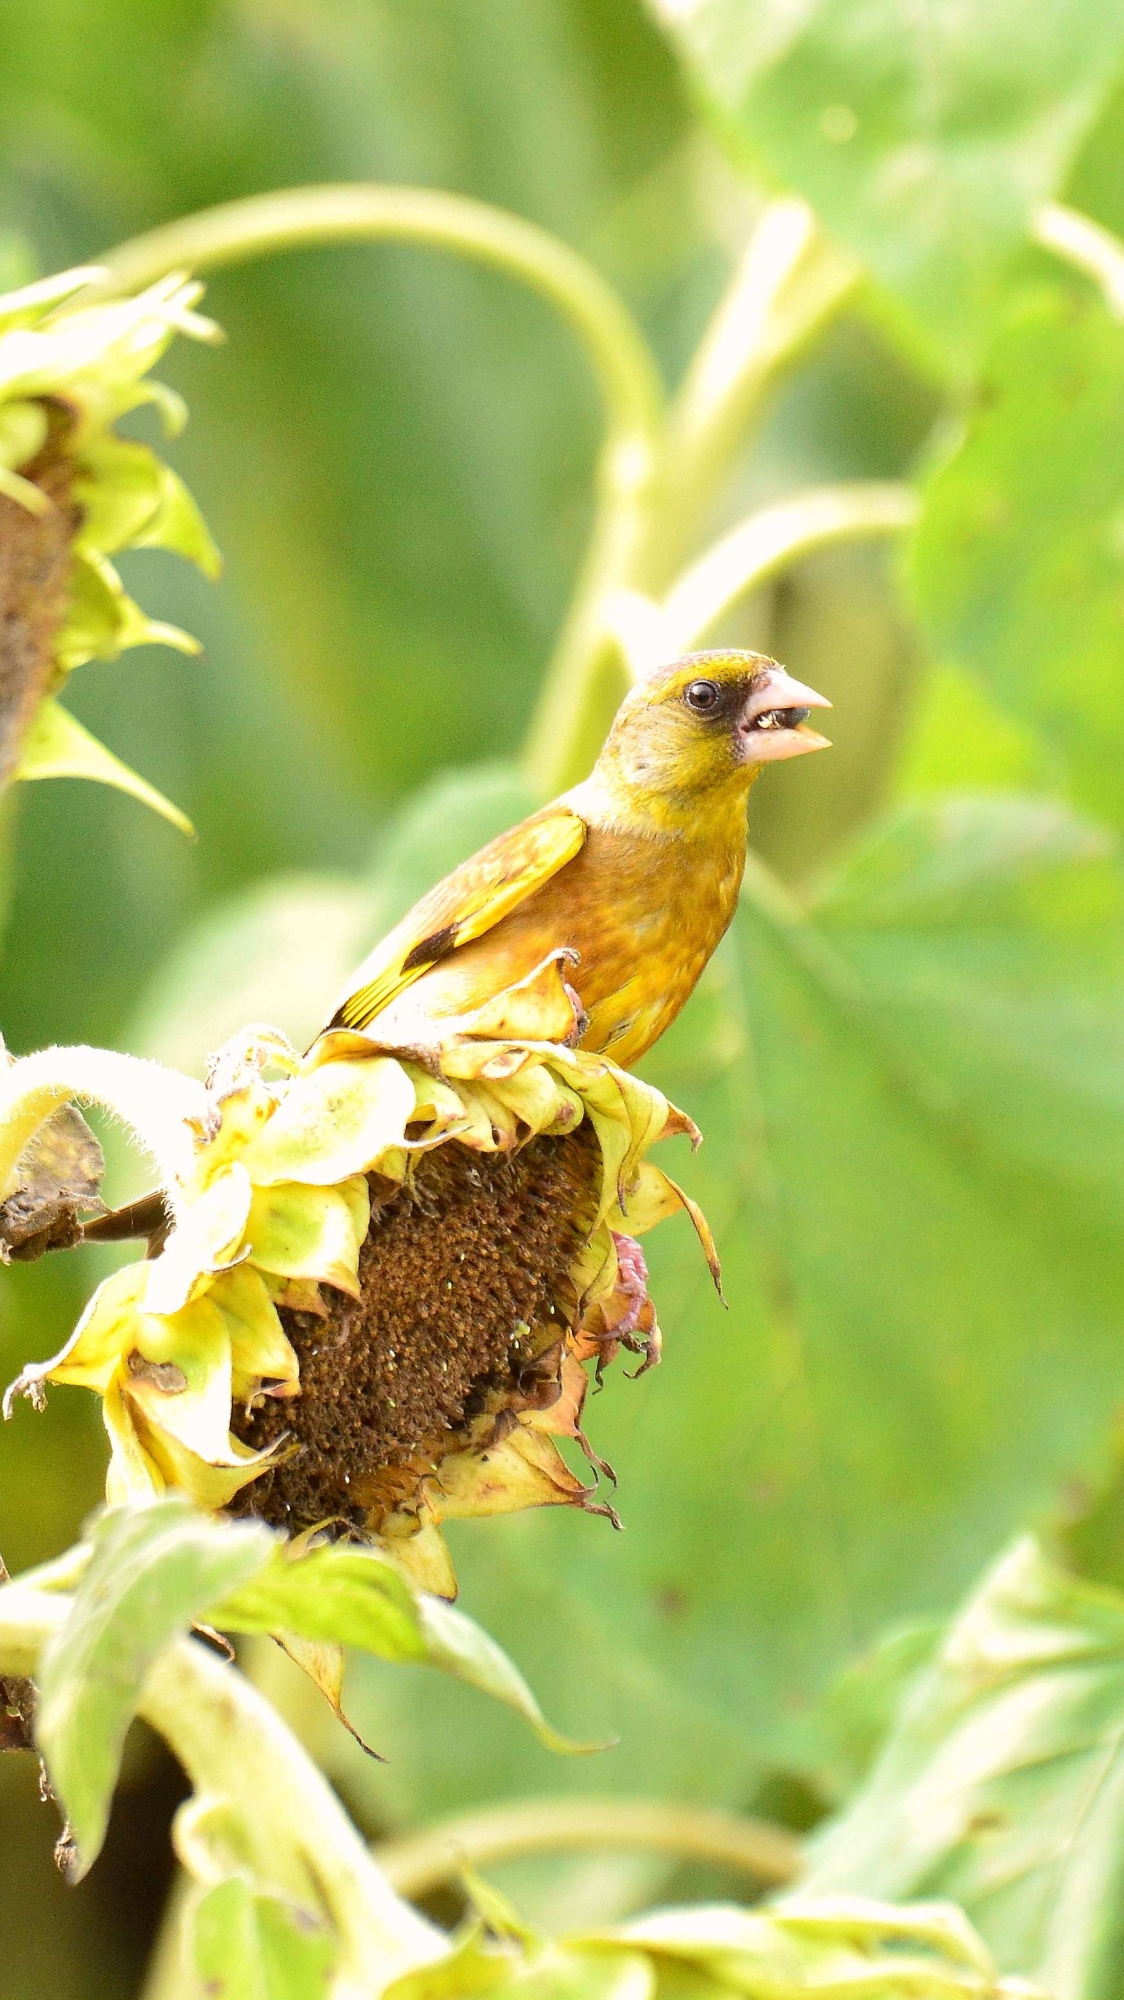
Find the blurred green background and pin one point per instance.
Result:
(909, 1072)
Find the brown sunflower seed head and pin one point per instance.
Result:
(384, 1282)
(465, 1301)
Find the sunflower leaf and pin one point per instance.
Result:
(351, 1596)
(1003, 1784)
(245, 1945)
(151, 1572)
(925, 143)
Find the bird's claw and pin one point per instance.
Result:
(581, 1018)
(600, 1465)
(627, 1318)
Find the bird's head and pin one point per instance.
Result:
(708, 722)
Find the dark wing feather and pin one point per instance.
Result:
(462, 907)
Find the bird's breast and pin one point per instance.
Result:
(668, 904)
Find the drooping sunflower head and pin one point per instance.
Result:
(380, 1282)
(73, 494)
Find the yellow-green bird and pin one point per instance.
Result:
(635, 872)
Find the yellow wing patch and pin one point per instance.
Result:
(462, 907)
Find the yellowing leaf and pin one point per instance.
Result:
(152, 1570)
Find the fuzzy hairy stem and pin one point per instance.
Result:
(759, 548)
(420, 1862)
(788, 285)
(235, 1748)
(153, 1102)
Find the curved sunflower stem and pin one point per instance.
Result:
(656, 477)
(298, 218)
(788, 285)
(153, 1102)
(1086, 245)
(751, 555)
(622, 361)
(753, 1847)
(759, 548)
(583, 679)
(235, 1749)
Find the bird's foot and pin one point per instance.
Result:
(581, 1018)
(627, 1318)
(637, 1329)
(600, 1465)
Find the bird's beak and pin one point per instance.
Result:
(773, 721)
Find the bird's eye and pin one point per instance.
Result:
(703, 696)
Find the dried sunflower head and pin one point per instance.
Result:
(73, 494)
(383, 1277)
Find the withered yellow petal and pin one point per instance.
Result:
(306, 1232)
(133, 1474)
(526, 1470)
(334, 1121)
(259, 1347)
(177, 1374)
(206, 1237)
(210, 1484)
(536, 1009)
(105, 1330)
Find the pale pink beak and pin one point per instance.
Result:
(773, 722)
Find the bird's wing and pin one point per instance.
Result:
(462, 907)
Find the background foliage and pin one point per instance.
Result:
(907, 1058)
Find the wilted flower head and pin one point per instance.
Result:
(381, 1279)
(73, 494)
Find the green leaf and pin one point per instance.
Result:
(959, 739)
(57, 746)
(249, 1946)
(833, 1946)
(151, 1572)
(461, 1648)
(333, 1593)
(924, 141)
(1018, 563)
(355, 1597)
(863, 1705)
(1003, 1786)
